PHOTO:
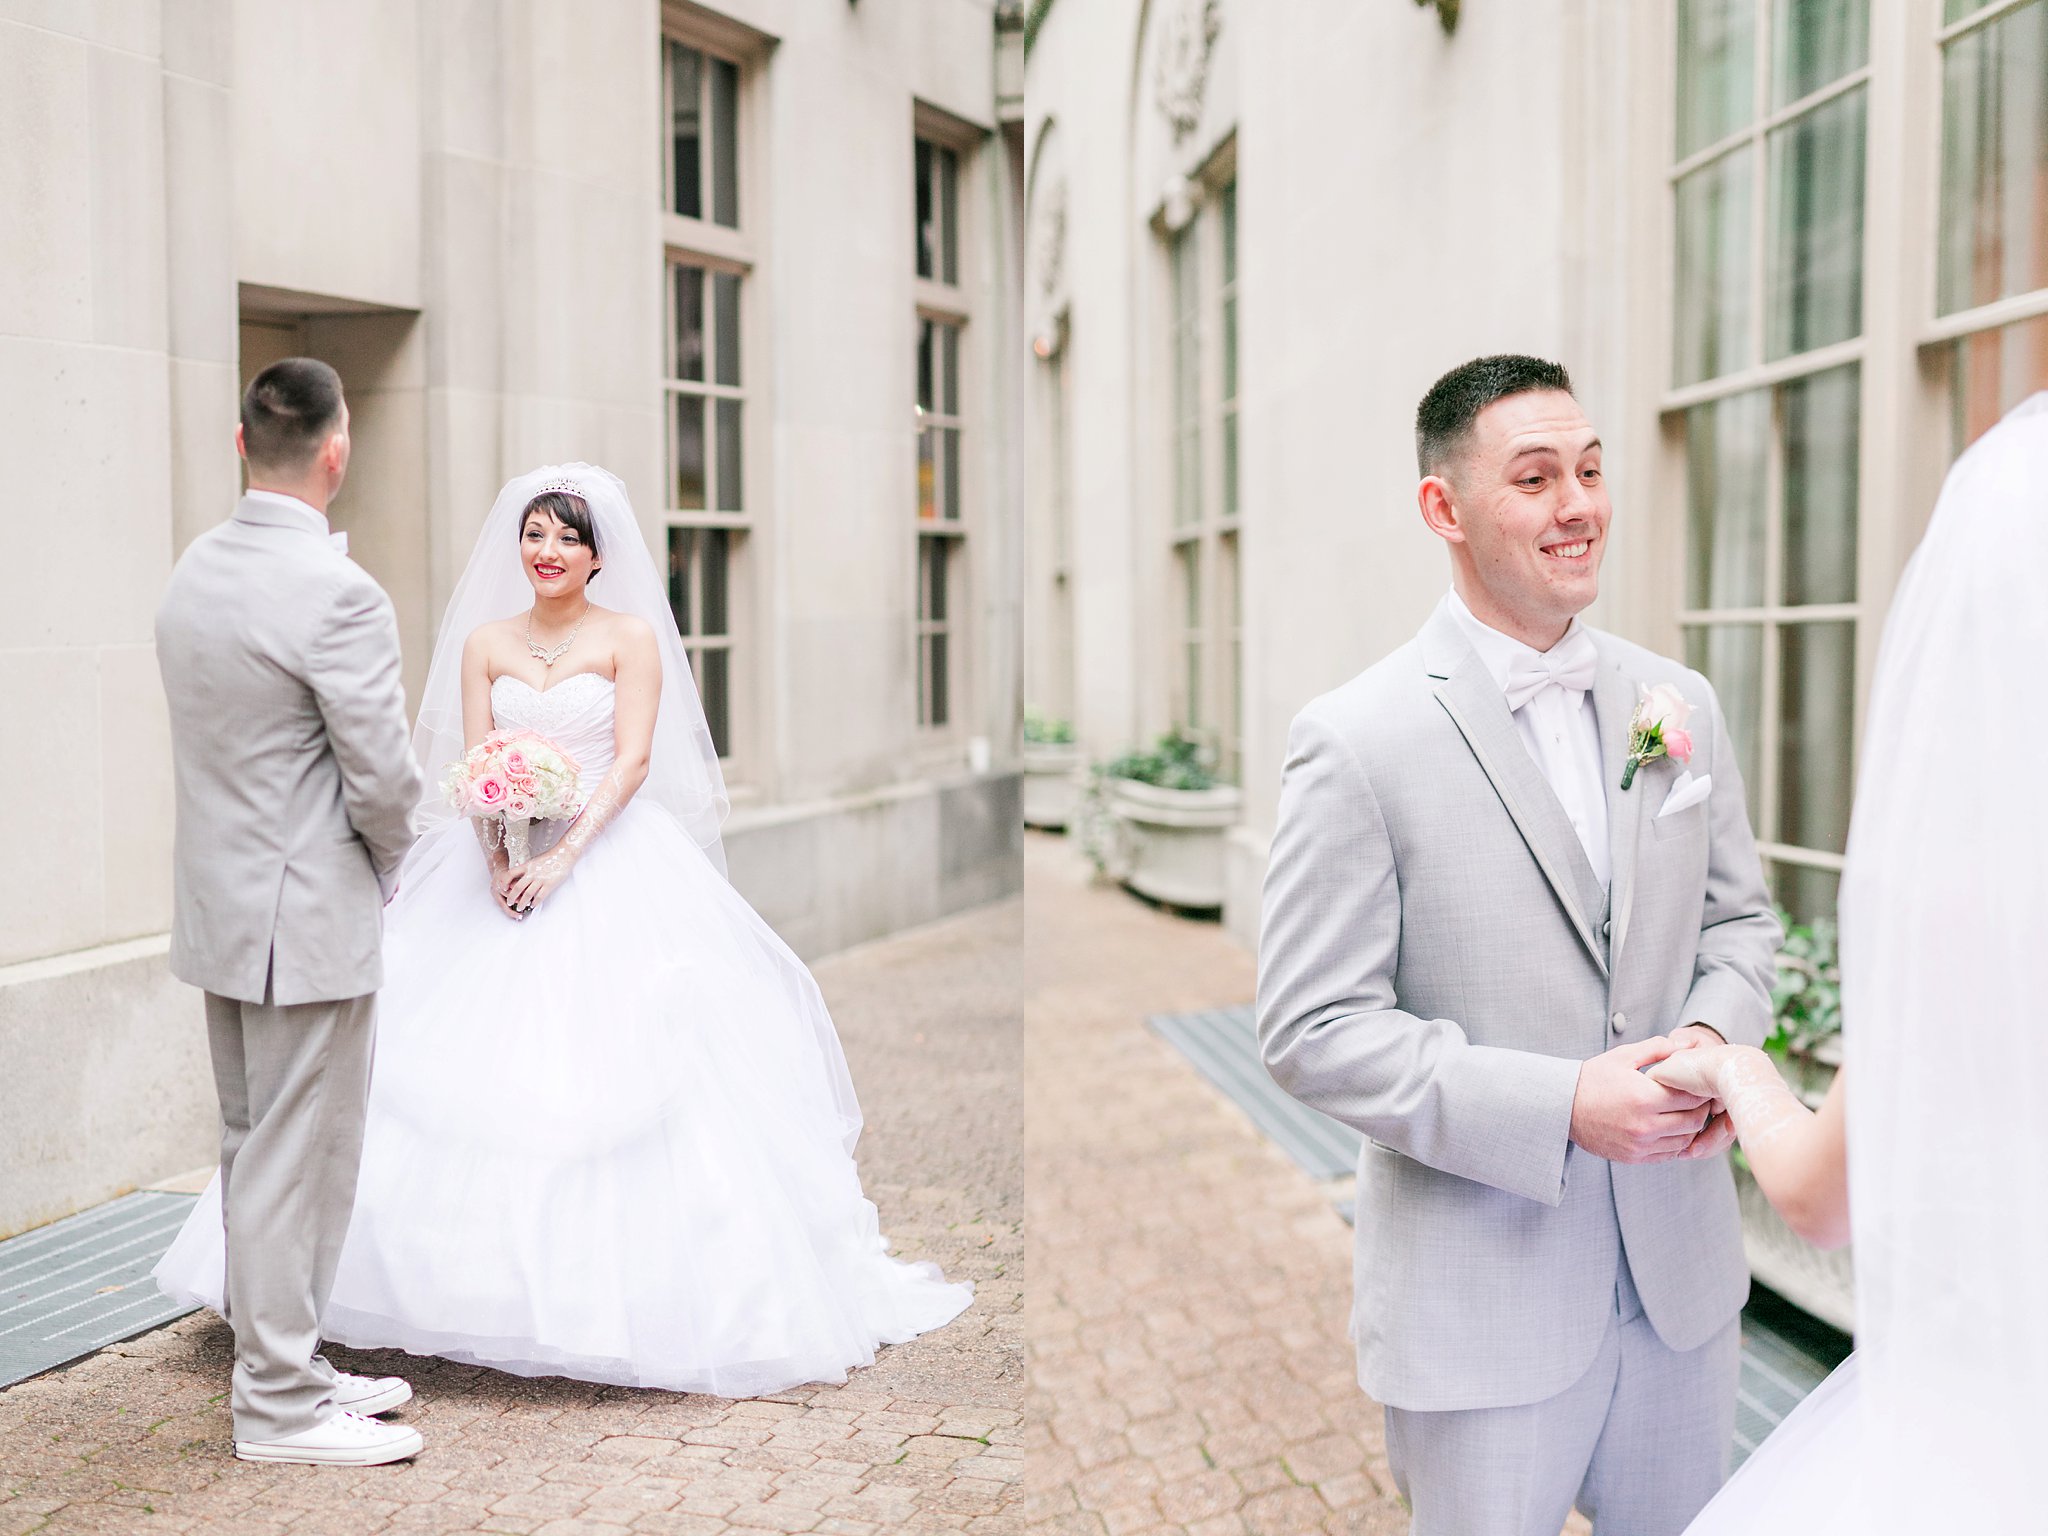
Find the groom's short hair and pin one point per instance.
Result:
(288, 411)
(1443, 422)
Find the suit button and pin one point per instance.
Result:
(1620, 1022)
(1607, 929)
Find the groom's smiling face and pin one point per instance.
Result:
(1526, 514)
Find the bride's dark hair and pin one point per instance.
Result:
(571, 511)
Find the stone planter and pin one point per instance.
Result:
(1173, 840)
(1052, 784)
(1818, 1280)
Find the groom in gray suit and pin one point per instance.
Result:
(1474, 940)
(295, 792)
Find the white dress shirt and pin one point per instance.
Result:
(304, 509)
(1560, 730)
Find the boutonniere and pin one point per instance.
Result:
(1658, 730)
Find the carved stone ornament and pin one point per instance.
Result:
(1446, 13)
(1187, 37)
(1049, 239)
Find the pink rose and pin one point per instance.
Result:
(1678, 744)
(520, 804)
(523, 784)
(488, 792)
(516, 764)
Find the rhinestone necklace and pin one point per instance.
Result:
(543, 654)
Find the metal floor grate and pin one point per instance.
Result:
(83, 1283)
(1785, 1353)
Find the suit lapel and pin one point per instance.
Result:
(1615, 694)
(1473, 701)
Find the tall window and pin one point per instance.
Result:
(1993, 235)
(1766, 379)
(1207, 689)
(941, 524)
(701, 153)
(704, 375)
(938, 513)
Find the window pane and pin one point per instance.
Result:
(1821, 413)
(1994, 171)
(1713, 278)
(1993, 371)
(686, 130)
(1816, 699)
(942, 682)
(927, 475)
(725, 156)
(949, 369)
(714, 685)
(1815, 291)
(1716, 70)
(1187, 381)
(686, 452)
(1815, 42)
(927, 364)
(1732, 658)
(681, 545)
(687, 305)
(1230, 233)
(731, 491)
(927, 230)
(931, 591)
(1809, 894)
(949, 216)
(725, 296)
(1230, 463)
(949, 471)
(1725, 446)
(715, 580)
(1230, 348)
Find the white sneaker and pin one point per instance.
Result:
(370, 1394)
(346, 1440)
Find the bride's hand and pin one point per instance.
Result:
(1696, 1071)
(528, 885)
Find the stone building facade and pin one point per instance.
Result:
(1794, 252)
(759, 257)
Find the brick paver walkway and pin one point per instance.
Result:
(1188, 1366)
(135, 1439)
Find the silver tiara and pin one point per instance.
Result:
(569, 486)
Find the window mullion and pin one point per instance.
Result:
(1768, 724)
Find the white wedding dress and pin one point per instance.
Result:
(612, 1141)
(1936, 1423)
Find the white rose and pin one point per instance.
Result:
(1665, 708)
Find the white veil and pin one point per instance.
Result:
(682, 772)
(1944, 929)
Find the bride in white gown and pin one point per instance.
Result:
(1935, 1158)
(610, 1129)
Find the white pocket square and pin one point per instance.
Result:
(1686, 791)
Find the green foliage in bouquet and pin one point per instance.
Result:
(1806, 998)
(1047, 730)
(1176, 762)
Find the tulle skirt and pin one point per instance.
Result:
(1801, 1480)
(613, 1141)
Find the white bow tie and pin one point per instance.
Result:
(339, 540)
(1570, 664)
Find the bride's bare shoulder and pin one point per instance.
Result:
(627, 627)
(487, 639)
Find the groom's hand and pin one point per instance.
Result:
(1626, 1117)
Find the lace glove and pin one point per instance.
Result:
(1746, 1082)
(532, 882)
(491, 836)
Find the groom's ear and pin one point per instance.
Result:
(1439, 511)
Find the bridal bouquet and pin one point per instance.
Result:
(510, 780)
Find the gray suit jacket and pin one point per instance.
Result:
(295, 776)
(1437, 959)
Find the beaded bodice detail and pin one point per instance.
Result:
(576, 714)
